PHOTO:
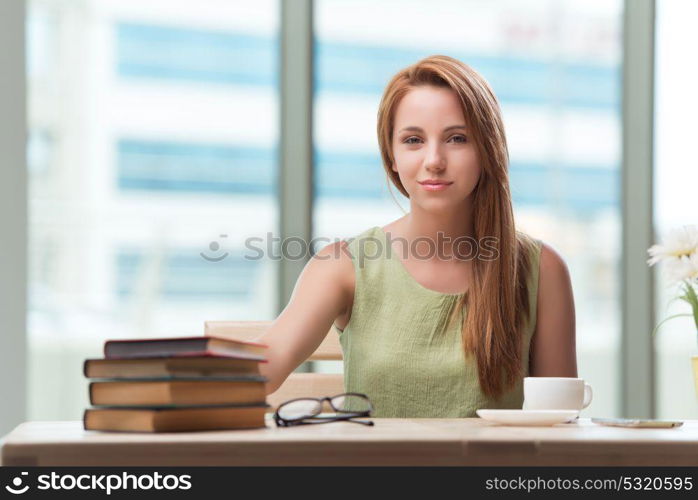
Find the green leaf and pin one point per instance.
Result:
(692, 299)
(667, 319)
(671, 301)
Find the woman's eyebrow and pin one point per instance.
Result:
(418, 129)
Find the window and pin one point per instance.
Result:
(152, 158)
(676, 178)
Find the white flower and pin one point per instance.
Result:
(680, 243)
(682, 268)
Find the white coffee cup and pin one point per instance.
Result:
(556, 393)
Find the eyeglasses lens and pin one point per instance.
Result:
(302, 408)
(351, 404)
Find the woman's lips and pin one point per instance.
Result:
(435, 187)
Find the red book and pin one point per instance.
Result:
(183, 346)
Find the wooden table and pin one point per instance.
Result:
(390, 442)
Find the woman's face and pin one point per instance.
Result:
(431, 143)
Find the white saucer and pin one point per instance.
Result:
(528, 417)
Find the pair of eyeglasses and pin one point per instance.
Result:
(303, 411)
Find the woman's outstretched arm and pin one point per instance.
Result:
(553, 346)
(322, 292)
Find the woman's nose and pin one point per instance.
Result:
(435, 160)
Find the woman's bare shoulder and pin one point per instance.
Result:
(551, 262)
(338, 265)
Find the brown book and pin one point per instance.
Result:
(178, 346)
(219, 391)
(174, 419)
(176, 367)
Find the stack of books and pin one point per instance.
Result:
(176, 384)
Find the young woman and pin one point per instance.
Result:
(425, 333)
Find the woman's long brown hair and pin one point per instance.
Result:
(497, 305)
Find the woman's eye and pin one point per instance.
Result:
(459, 139)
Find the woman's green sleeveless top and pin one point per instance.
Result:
(398, 349)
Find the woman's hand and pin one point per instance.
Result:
(553, 351)
(321, 294)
